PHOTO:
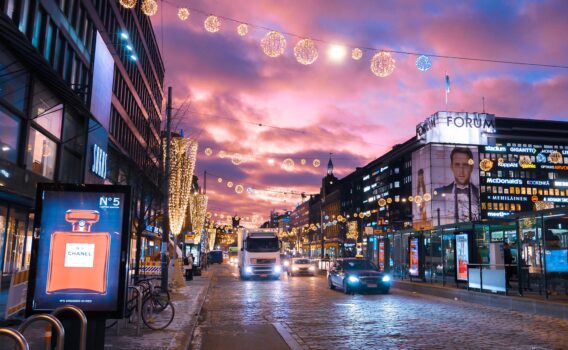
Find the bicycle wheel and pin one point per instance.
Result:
(156, 315)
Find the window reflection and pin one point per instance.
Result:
(9, 136)
(13, 80)
(47, 110)
(41, 153)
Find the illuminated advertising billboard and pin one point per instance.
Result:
(381, 255)
(414, 256)
(446, 180)
(462, 256)
(80, 249)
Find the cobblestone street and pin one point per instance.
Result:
(319, 318)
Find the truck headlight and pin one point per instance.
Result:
(312, 268)
(386, 278)
(295, 268)
(353, 279)
(277, 269)
(248, 269)
(286, 263)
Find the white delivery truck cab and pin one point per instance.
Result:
(259, 253)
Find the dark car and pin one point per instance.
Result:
(215, 257)
(352, 275)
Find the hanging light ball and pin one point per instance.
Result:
(183, 13)
(361, 215)
(423, 63)
(208, 151)
(427, 197)
(555, 157)
(237, 159)
(212, 24)
(316, 163)
(418, 199)
(128, 4)
(306, 51)
(288, 164)
(303, 162)
(242, 29)
(486, 164)
(239, 189)
(382, 202)
(219, 180)
(500, 160)
(149, 7)
(470, 161)
(382, 64)
(230, 184)
(389, 200)
(410, 198)
(357, 54)
(222, 154)
(273, 44)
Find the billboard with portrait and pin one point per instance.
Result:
(449, 175)
(80, 249)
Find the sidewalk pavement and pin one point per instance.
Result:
(187, 302)
(510, 302)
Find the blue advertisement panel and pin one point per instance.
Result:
(80, 255)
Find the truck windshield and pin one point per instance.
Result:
(262, 244)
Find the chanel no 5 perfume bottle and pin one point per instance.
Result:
(78, 259)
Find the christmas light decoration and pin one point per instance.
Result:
(316, 163)
(361, 215)
(197, 211)
(208, 151)
(306, 51)
(128, 3)
(389, 200)
(183, 13)
(242, 29)
(273, 44)
(382, 202)
(288, 164)
(239, 189)
(382, 64)
(410, 198)
(212, 24)
(303, 162)
(222, 154)
(230, 184)
(423, 63)
(500, 160)
(356, 54)
(427, 197)
(417, 199)
(219, 180)
(237, 158)
(486, 164)
(470, 161)
(149, 7)
(352, 230)
(555, 157)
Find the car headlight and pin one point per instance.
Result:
(295, 268)
(386, 278)
(353, 279)
(286, 263)
(312, 268)
(277, 269)
(248, 269)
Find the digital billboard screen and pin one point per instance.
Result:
(462, 256)
(414, 257)
(80, 249)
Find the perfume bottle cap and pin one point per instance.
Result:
(81, 220)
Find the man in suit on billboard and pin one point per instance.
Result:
(461, 196)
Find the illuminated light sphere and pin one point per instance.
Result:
(427, 197)
(417, 199)
(382, 64)
(339, 217)
(183, 13)
(326, 217)
(128, 4)
(222, 216)
(149, 7)
(357, 54)
(249, 189)
(270, 161)
(410, 199)
(500, 160)
(212, 24)
(316, 163)
(541, 158)
(389, 200)
(209, 215)
(486, 164)
(361, 215)
(306, 51)
(237, 159)
(222, 154)
(242, 29)
(208, 151)
(335, 222)
(303, 162)
(470, 161)
(239, 189)
(219, 180)
(288, 164)
(273, 44)
(423, 63)
(336, 53)
(555, 157)
(382, 202)
(368, 214)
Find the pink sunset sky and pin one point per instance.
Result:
(227, 86)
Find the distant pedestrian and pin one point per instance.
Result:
(189, 267)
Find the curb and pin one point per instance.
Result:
(288, 338)
(198, 311)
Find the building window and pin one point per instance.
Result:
(47, 111)
(396, 184)
(40, 154)
(13, 80)
(9, 136)
(70, 168)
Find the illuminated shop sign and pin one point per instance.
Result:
(522, 150)
(99, 161)
(457, 127)
(497, 214)
(508, 198)
(538, 183)
(561, 183)
(498, 149)
(508, 165)
(556, 199)
(493, 180)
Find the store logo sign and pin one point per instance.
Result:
(99, 166)
(457, 127)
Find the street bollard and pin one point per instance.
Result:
(17, 336)
(53, 321)
(82, 318)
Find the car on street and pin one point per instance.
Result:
(357, 275)
(215, 257)
(301, 266)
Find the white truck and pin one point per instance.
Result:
(259, 254)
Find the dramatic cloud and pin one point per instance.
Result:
(235, 99)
